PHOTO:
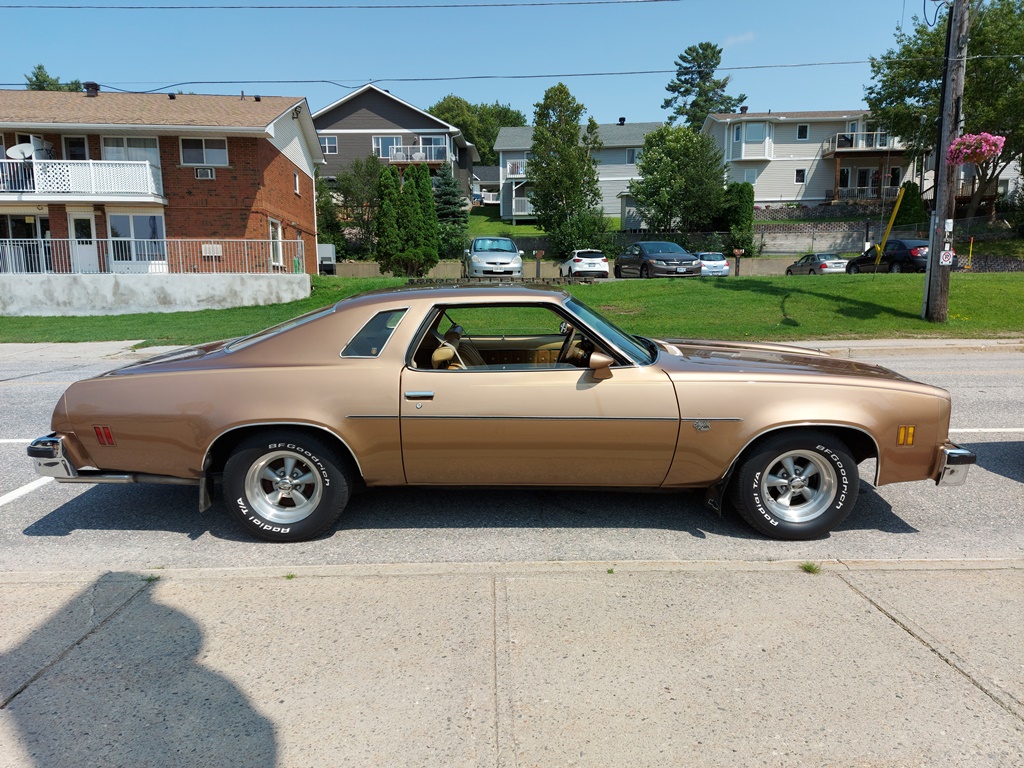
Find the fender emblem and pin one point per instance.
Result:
(701, 426)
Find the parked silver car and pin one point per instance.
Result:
(713, 264)
(818, 264)
(492, 257)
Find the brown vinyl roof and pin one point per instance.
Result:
(156, 109)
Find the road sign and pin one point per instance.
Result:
(946, 259)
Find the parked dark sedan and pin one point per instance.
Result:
(898, 256)
(656, 259)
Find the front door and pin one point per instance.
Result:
(84, 252)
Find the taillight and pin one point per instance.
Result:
(605, 260)
(577, 261)
(919, 251)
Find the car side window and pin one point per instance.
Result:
(371, 339)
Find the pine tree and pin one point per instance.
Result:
(696, 92)
(429, 216)
(452, 217)
(389, 243)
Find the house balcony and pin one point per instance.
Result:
(521, 206)
(515, 169)
(431, 154)
(866, 143)
(42, 181)
(865, 193)
(59, 256)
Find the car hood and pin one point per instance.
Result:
(772, 360)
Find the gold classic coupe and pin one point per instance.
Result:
(498, 386)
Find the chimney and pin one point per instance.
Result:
(91, 88)
(622, 121)
(743, 110)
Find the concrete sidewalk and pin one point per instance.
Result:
(531, 664)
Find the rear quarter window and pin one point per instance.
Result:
(371, 339)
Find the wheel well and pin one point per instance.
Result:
(220, 451)
(861, 445)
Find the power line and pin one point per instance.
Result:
(325, 7)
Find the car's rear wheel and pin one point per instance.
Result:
(286, 486)
(796, 485)
(853, 269)
(895, 267)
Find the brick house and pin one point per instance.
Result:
(371, 121)
(129, 182)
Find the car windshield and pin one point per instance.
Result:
(637, 349)
(499, 244)
(664, 248)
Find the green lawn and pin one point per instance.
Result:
(754, 308)
(484, 220)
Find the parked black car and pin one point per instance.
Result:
(656, 259)
(898, 256)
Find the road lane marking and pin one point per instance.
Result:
(993, 430)
(19, 442)
(24, 490)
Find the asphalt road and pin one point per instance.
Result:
(49, 527)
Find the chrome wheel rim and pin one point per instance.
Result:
(798, 486)
(283, 487)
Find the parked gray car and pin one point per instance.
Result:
(656, 259)
(818, 264)
(492, 257)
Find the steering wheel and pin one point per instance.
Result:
(563, 353)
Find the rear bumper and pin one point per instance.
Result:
(954, 464)
(52, 460)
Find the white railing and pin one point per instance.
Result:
(80, 177)
(867, 193)
(428, 153)
(120, 255)
(490, 197)
(860, 141)
(515, 169)
(521, 206)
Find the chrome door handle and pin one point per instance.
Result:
(419, 395)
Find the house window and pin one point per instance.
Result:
(329, 145)
(433, 148)
(137, 237)
(132, 149)
(76, 148)
(750, 175)
(382, 145)
(800, 176)
(803, 132)
(297, 190)
(894, 177)
(844, 178)
(737, 133)
(755, 132)
(204, 151)
(630, 155)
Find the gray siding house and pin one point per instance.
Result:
(809, 157)
(372, 121)
(616, 165)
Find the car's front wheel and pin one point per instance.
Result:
(797, 485)
(286, 486)
(645, 272)
(789, 272)
(853, 269)
(618, 272)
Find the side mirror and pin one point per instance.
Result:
(522, 253)
(466, 251)
(601, 365)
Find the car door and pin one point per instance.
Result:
(634, 257)
(804, 266)
(536, 423)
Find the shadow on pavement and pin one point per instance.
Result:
(1006, 458)
(172, 509)
(122, 686)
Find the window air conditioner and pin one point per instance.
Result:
(206, 173)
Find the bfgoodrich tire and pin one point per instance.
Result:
(796, 485)
(286, 486)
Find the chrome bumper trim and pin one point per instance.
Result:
(48, 453)
(956, 461)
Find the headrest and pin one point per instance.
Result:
(453, 334)
(442, 357)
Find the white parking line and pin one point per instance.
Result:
(995, 430)
(19, 442)
(7, 498)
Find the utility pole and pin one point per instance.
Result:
(936, 300)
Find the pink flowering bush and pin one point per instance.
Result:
(974, 148)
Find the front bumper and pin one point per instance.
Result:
(954, 464)
(495, 270)
(672, 270)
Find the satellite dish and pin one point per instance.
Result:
(21, 151)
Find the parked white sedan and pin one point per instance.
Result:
(713, 264)
(585, 262)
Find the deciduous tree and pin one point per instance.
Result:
(479, 123)
(681, 180)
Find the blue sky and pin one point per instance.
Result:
(147, 49)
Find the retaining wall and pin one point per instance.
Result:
(108, 294)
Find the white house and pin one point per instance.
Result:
(809, 157)
(616, 165)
